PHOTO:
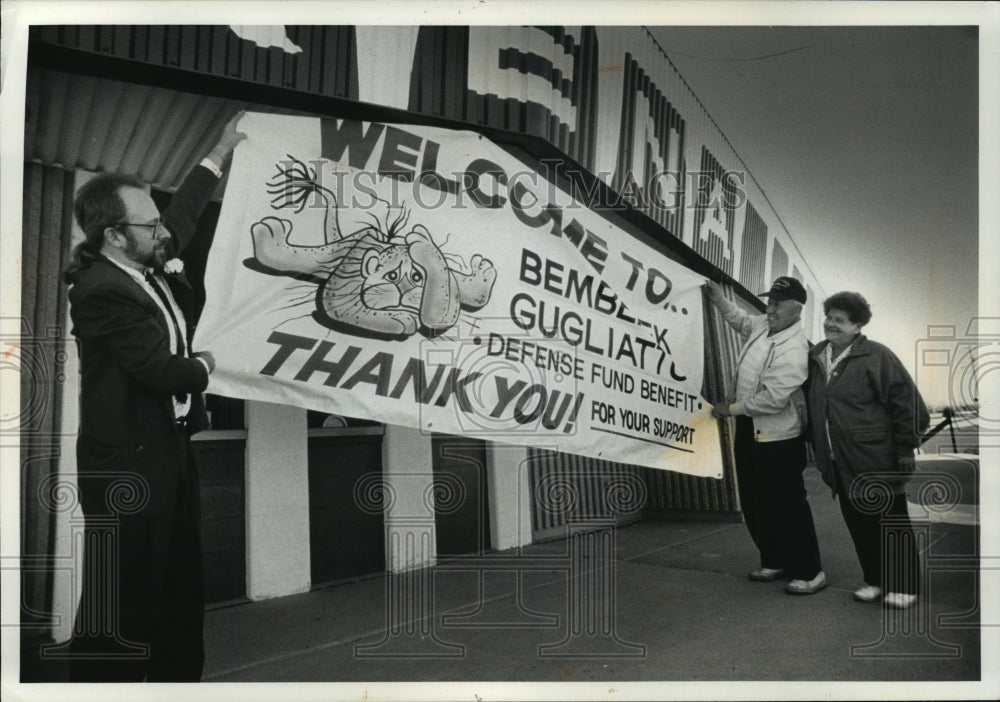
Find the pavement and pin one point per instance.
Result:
(652, 601)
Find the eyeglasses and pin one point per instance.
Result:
(155, 226)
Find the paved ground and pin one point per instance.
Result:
(655, 601)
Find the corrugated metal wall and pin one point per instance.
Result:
(573, 488)
(112, 137)
(754, 253)
(47, 202)
(326, 64)
(570, 487)
(779, 261)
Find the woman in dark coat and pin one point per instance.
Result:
(866, 417)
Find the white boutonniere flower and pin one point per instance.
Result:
(173, 266)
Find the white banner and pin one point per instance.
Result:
(427, 278)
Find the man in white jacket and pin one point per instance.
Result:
(770, 413)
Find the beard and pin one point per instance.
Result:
(153, 258)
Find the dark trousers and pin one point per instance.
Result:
(883, 539)
(773, 499)
(142, 603)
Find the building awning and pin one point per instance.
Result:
(98, 124)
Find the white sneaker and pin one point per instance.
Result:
(765, 575)
(900, 600)
(868, 593)
(807, 587)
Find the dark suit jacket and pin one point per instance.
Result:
(128, 373)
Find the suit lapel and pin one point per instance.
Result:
(179, 286)
(183, 294)
(140, 292)
(144, 297)
(177, 280)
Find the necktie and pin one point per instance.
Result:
(181, 347)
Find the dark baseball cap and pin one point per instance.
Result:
(786, 288)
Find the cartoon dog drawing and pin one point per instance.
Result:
(381, 280)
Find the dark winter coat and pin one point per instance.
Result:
(875, 414)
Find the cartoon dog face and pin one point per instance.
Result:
(376, 280)
(391, 279)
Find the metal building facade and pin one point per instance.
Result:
(605, 101)
(606, 98)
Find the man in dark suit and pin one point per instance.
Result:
(142, 603)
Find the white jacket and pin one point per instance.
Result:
(777, 405)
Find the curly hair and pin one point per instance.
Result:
(856, 307)
(98, 205)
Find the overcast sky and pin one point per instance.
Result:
(865, 140)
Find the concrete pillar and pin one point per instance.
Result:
(407, 467)
(410, 538)
(277, 501)
(509, 494)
